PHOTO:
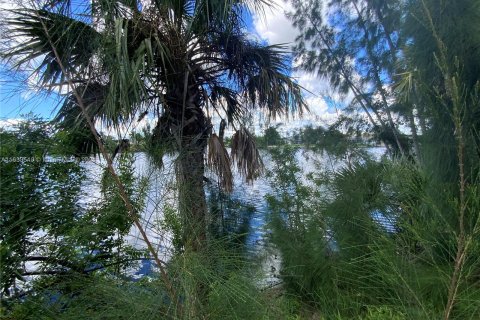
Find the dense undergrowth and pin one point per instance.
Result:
(378, 241)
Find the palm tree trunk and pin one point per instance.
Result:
(189, 128)
(190, 171)
(192, 204)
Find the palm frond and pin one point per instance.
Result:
(241, 57)
(72, 122)
(246, 155)
(259, 71)
(39, 30)
(219, 161)
(108, 11)
(213, 14)
(128, 55)
(229, 101)
(93, 97)
(276, 93)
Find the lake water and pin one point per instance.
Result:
(161, 193)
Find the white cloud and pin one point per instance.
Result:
(317, 105)
(8, 5)
(10, 39)
(274, 27)
(9, 124)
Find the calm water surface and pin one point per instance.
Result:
(161, 193)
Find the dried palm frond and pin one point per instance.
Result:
(219, 161)
(246, 155)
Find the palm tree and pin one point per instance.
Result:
(181, 61)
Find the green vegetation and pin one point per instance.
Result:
(270, 137)
(42, 218)
(389, 237)
(373, 243)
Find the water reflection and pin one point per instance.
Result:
(243, 212)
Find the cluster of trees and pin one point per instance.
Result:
(396, 60)
(400, 236)
(270, 137)
(404, 65)
(312, 138)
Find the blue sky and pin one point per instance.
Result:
(17, 99)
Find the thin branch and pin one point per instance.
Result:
(118, 182)
(453, 93)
